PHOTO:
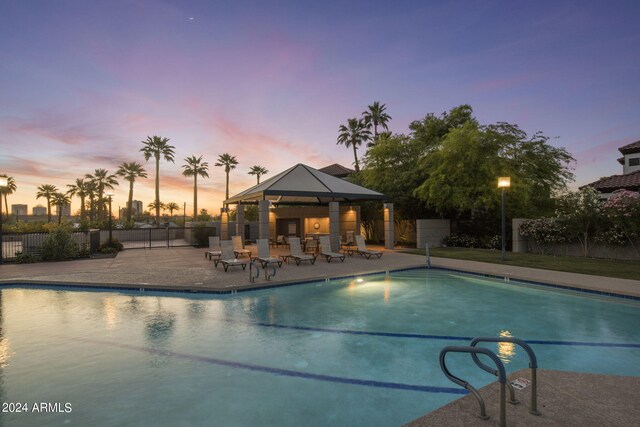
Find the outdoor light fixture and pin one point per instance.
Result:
(3, 183)
(504, 182)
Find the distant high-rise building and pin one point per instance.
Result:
(39, 210)
(137, 207)
(19, 210)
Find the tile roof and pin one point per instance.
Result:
(630, 181)
(337, 170)
(634, 147)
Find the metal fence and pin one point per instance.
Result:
(138, 238)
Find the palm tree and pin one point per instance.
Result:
(60, 200)
(79, 188)
(171, 207)
(47, 191)
(130, 171)
(157, 147)
(258, 171)
(91, 189)
(9, 189)
(102, 181)
(194, 167)
(376, 116)
(229, 162)
(156, 206)
(354, 135)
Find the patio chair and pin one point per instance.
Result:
(362, 249)
(296, 252)
(228, 258)
(264, 256)
(311, 246)
(325, 250)
(214, 248)
(223, 244)
(281, 240)
(238, 247)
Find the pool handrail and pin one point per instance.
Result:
(533, 365)
(502, 377)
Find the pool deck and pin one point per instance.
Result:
(567, 399)
(187, 269)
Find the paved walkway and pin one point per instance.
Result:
(187, 269)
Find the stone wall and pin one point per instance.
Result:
(431, 231)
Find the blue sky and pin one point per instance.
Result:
(82, 83)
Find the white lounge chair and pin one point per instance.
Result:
(224, 244)
(228, 258)
(325, 250)
(282, 240)
(214, 248)
(296, 252)
(238, 247)
(362, 248)
(264, 256)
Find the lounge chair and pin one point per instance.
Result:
(281, 240)
(224, 244)
(362, 248)
(214, 248)
(238, 247)
(325, 250)
(228, 258)
(264, 256)
(296, 252)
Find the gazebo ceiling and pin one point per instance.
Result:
(302, 184)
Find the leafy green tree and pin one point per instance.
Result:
(79, 188)
(229, 163)
(258, 171)
(47, 191)
(195, 167)
(375, 116)
(582, 213)
(157, 147)
(10, 188)
(103, 181)
(130, 171)
(60, 200)
(353, 135)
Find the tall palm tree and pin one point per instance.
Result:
(229, 162)
(156, 206)
(157, 147)
(130, 171)
(103, 181)
(60, 200)
(194, 167)
(91, 189)
(79, 188)
(171, 207)
(9, 189)
(47, 191)
(258, 171)
(354, 134)
(376, 116)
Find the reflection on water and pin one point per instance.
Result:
(387, 293)
(110, 313)
(5, 352)
(506, 350)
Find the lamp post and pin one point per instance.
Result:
(110, 195)
(3, 183)
(504, 182)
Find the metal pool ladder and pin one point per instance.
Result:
(426, 249)
(499, 372)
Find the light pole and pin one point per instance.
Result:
(3, 183)
(110, 195)
(504, 182)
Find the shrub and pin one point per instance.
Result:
(200, 235)
(111, 247)
(461, 241)
(59, 245)
(545, 232)
(26, 258)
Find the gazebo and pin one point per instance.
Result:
(294, 202)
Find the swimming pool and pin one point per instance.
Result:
(349, 352)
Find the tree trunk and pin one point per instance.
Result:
(48, 209)
(195, 197)
(158, 191)
(130, 201)
(6, 205)
(355, 156)
(227, 190)
(81, 208)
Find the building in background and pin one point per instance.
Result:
(19, 210)
(39, 210)
(630, 178)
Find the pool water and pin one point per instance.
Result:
(357, 352)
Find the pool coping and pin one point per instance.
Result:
(203, 289)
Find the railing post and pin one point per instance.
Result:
(150, 238)
(167, 236)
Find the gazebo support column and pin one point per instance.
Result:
(389, 228)
(263, 219)
(240, 221)
(334, 225)
(224, 224)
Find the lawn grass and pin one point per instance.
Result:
(595, 266)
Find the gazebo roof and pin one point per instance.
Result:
(302, 184)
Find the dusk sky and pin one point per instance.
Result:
(83, 82)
